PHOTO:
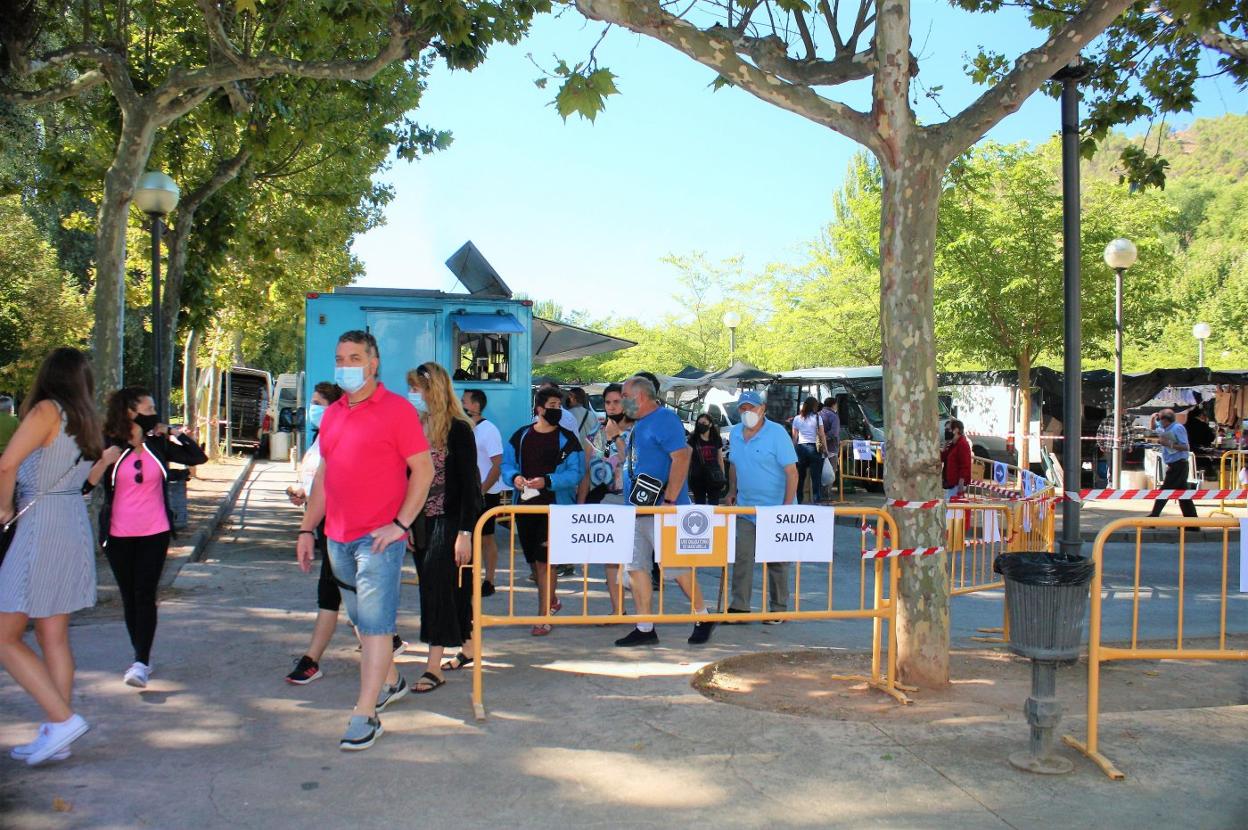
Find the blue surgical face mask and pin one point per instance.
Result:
(349, 378)
(315, 412)
(417, 400)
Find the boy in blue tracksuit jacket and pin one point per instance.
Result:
(545, 462)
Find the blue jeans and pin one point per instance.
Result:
(369, 582)
(809, 462)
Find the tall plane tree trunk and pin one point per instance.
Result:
(133, 148)
(225, 172)
(912, 160)
(912, 458)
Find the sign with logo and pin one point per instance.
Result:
(1000, 473)
(695, 535)
(862, 451)
(795, 533)
(598, 534)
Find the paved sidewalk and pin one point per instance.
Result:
(579, 734)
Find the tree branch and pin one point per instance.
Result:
(1030, 72)
(402, 43)
(717, 48)
(1214, 38)
(770, 54)
(111, 69)
(59, 92)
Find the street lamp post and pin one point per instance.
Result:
(732, 319)
(1201, 332)
(1119, 255)
(156, 195)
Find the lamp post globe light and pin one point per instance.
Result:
(1201, 332)
(1120, 254)
(156, 195)
(732, 319)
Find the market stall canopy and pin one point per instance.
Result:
(738, 373)
(691, 373)
(1098, 384)
(553, 342)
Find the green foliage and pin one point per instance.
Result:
(1144, 66)
(583, 92)
(999, 294)
(998, 276)
(40, 305)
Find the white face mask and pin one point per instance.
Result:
(750, 418)
(349, 378)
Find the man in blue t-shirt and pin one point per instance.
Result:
(763, 474)
(1172, 436)
(657, 447)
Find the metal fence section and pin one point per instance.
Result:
(1099, 653)
(1232, 474)
(975, 535)
(851, 465)
(880, 578)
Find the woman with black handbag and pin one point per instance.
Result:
(48, 571)
(444, 528)
(136, 522)
(706, 468)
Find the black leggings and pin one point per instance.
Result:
(137, 562)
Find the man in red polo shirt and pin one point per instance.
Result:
(375, 474)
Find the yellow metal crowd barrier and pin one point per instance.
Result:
(1229, 469)
(868, 470)
(882, 611)
(1099, 653)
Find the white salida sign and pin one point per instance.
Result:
(592, 533)
(795, 533)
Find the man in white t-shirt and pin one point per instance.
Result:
(489, 461)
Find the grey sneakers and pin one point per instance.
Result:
(389, 694)
(361, 733)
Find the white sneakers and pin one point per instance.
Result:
(21, 753)
(137, 675)
(53, 741)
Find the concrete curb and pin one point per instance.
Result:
(199, 542)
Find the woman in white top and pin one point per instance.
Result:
(810, 439)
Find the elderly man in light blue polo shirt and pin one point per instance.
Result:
(763, 473)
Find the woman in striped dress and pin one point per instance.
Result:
(49, 570)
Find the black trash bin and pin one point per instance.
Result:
(1046, 595)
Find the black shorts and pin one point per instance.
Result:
(534, 532)
(491, 500)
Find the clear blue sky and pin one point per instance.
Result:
(582, 213)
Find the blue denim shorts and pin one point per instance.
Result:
(373, 605)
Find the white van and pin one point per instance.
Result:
(284, 416)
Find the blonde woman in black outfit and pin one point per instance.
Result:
(443, 531)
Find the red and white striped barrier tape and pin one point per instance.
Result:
(910, 504)
(891, 553)
(1155, 495)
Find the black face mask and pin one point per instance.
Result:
(948, 435)
(147, 423)
(552, 416)
(617, 417)
(704, 427)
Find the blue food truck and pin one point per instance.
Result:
(485, 338)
